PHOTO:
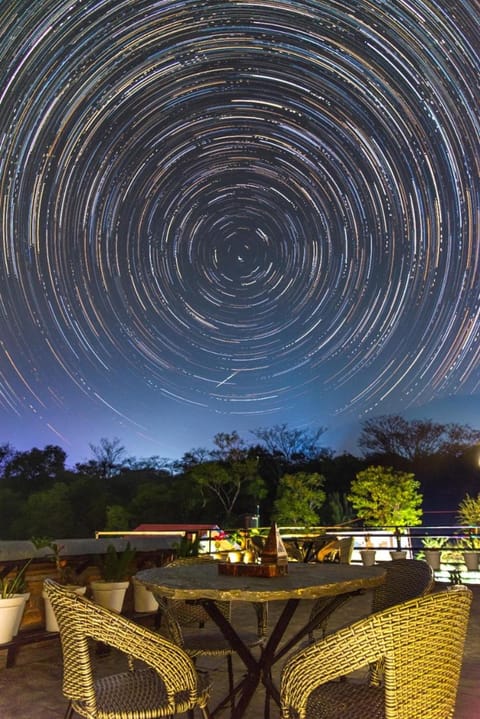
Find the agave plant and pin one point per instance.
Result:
(117, 566)
(13, 584)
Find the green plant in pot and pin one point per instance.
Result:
(187, 547)
(12, 580)
(13, 598)
(115, 569)
(65, 574)
(116, 566)
(470, 546)
(433, 547)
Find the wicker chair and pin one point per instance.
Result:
(421, 643)
(189, 625)
(166, 682)
(406, 579)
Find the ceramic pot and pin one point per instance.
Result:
(368, 557)
(110, 594)
(10, 608)
(21, 612)
(398, 554)
(433, 557)
(143, 599)
(51, 624)
(471, 560)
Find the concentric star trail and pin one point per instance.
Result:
(238, 205)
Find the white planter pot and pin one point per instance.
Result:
(143, 599)
(368, 557)
(433, 557)
(51, 624)
(398, 554)
(21, 611)
(110, 594)
(471, 560)
(10, 609)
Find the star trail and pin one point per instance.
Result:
(218, 215)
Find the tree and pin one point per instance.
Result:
(227, 480)
(230, 447)
(338, 509)
(299, 496)
(7, 453)
(36, 464)
(117, 518)
(384, 497)
(292, 445)
(108, 459)
(47, 513)
(469, 510)
(393, 436)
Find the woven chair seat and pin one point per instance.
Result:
(136, 694)
(338, 700)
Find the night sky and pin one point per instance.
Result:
(229, 215)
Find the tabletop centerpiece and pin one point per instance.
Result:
(273, 560)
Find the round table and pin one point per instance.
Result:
(200, 581)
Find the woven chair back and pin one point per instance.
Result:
(78, 681)
(405, 579)
(81, 620)
(186, 613)
(421, 642)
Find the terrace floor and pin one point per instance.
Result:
(32, 688)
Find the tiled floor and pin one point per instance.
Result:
(32, 689)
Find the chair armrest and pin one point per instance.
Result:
(169, 660)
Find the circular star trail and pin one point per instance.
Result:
(238, 205)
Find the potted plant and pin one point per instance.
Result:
(469, 514)
(115, 570)
(433, 547)
(65, 575)
(187, 547)
(471, 549)
(368, 553)
(12, 600)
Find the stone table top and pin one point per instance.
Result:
(201, 580)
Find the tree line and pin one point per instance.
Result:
(285, 473)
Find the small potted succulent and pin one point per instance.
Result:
(115, 570)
